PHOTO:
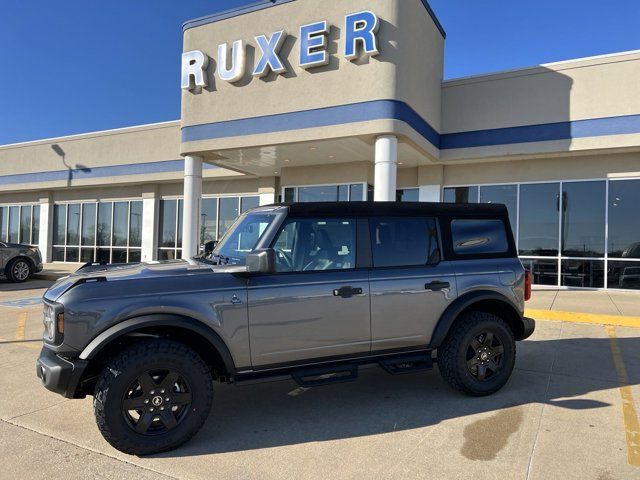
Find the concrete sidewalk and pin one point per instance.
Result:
(54, 271)
(586, 301)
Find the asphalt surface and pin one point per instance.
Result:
(567, 412)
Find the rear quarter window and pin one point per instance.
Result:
(479, 237)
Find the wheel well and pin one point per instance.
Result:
(499, 309)
(200, 344)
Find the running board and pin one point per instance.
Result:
(408, 364)
(315, 377)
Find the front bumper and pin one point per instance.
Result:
(59, 374)
(529, 327)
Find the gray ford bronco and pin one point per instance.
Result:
(305, 291)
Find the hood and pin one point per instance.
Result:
(116, 273)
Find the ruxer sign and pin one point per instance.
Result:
(360, 34)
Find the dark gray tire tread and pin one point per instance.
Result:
(454, 373)
(138, 354)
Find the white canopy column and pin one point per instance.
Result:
(386, 168)
(192, 204)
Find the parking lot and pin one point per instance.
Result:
(569, 411)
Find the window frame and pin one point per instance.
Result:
(4, 235)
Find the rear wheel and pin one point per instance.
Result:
(478, 355)
(152, 397)
(19, 270)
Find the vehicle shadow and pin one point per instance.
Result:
(554, 372)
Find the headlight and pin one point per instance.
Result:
(53, 319)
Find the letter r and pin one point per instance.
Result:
(194, 70)
(360, 30)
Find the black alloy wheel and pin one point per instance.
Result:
(156, 402)
(485, 355)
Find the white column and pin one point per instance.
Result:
(45, 234)
(149, 226)
(429, 193)
(386, 168)
(192, 201)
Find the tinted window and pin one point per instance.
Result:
(624, 234)
(398, 242)
(35, 236)
(461, 195)
(73, 225)
(209, 220)
(120, 220)
(25, 224)
(59, 215)
(539, 221)
(473, 237)
(505, 194)
(4, 220)
(228, 213)
(168, 223)
(89, 224)
(104, 224)
(247, 203)
(583, 207)
(14, 224)
(135, 224)
(311, 245)
(408, 195)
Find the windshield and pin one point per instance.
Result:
(242, 237)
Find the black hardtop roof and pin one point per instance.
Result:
(395, 209)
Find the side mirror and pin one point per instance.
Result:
(261, 261)
(209, 247)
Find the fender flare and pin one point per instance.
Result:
(159, 320)
(452, 312)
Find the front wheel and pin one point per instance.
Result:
(152, 397)
(19, 270)
(478, 355)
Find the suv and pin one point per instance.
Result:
(308, 291)
(19, 262)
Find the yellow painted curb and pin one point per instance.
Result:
(576, 317)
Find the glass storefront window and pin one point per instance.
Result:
(624, 275)
(506, 194)
(14, 224)
(217, 214)
(325, 193)
(89, 225)
(543, 271)
(25, 224)
(583, 219)
(624, 234)
(408, 195)
(539, 217)
(35, 226)
(135, 224)
(4, 223)
(83, 232)
(104, 223)
(461, 195)
(582, 273)
(209, 220)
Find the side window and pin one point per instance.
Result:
(316, 244)
(401, 242)
(478, 237)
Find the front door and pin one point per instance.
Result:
(410, 286)
(317, 304)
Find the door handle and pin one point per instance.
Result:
(437, 285)
(346, 292)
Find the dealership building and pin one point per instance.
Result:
(344, 100)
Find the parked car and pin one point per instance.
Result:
(19, 262)
(305, 291)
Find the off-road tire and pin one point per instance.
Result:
(24, 273)
(452, 354)
(114, 381)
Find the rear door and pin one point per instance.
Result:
(317, 303)
(410, 286)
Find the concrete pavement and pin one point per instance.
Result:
(562, 415)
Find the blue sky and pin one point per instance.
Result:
(74, 66)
